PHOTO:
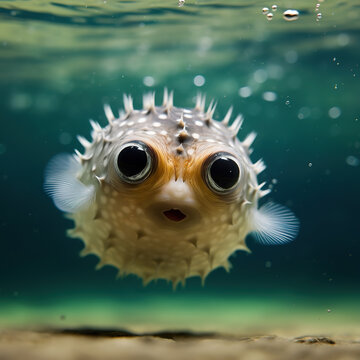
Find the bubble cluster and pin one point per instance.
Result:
(266, 11)
(317, 10)
(288, 15)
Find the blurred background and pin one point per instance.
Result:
(297, 85)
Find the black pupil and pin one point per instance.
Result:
(224, 172)
(132, 160)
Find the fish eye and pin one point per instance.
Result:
(222, 172)
(134, 162)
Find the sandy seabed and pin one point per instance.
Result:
(255, 328)
(91, 344)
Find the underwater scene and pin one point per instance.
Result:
(173, 231)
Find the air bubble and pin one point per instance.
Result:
(20, 101)
(199, 80)
(270, 16)
(334, 112)
(181, 3)
(304, 113)
(245, 92)
(318, 16)
(343, 39)
(269, 96)
(260, 76)
(290, 15)
(274, 7)
(265, 10)
(148, 81)
(310, 164)
(352, 160)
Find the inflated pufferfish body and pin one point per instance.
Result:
(166, 192)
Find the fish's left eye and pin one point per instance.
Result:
(222, 172)
(134, 162)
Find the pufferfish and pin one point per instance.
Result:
(166, 192)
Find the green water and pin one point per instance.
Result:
(297, 85)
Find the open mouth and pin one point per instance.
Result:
(174, 215)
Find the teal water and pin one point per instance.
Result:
(297, 85)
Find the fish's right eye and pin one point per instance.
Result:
(134, 162)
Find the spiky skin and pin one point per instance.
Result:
(124, 224)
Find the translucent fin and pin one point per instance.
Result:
(275, 224)
(61, 184)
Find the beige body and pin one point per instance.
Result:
(124, 224)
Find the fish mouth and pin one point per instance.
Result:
(174, 215)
